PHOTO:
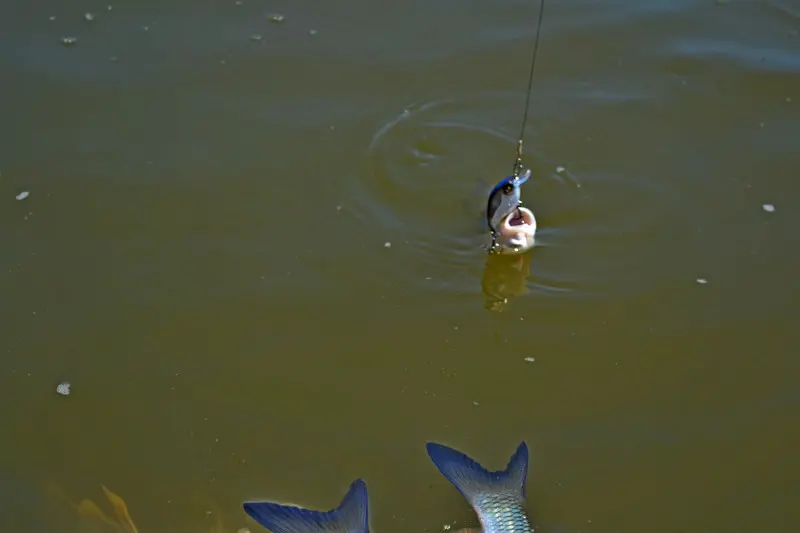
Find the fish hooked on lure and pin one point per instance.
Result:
(498, 498)
(514, 234)
(351, 516)
(512, 226)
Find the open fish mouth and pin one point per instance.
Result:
(516, 231)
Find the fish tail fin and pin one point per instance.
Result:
(473, 481)
(351, 516)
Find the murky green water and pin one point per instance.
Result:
(202, 256)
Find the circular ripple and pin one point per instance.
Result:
(427, 175)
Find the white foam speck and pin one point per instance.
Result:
(63, 388)
(23, 195)
(769, 208)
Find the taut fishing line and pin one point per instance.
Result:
(518, 161)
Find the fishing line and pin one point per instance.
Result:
(518, 162)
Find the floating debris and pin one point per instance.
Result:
(23, 195)
(769, 208)
(701, 281)
(69, 41)
(110, 8)
(530, 359)
(276, 18)
(88, 17)
(256, 37)
(560, 169)
(53, 18)
(387, 244)
(312, 32)
(63, 388)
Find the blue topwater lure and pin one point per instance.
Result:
(504, 198)
(351, 516)
(498, 498)
(512, 226)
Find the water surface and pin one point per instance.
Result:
(203, 256)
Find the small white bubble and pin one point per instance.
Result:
(387, 244)
(560, 169)
(68, 41)
(88, 17)
(769, 208)
(312, 32)
(530, 359)
(63, 388)
(23, 195)
(276, 18)
(702, 281)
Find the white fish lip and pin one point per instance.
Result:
(516, 232)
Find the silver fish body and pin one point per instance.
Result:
(502, 513)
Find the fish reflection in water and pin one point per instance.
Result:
(351, 516)
(505, 277)
(498, 498)
(95, 519)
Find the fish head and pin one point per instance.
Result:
(516, 233)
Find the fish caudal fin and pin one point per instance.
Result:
(351, 516)
(472, 480)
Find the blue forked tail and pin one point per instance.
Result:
(351, 516)
(472, 480)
